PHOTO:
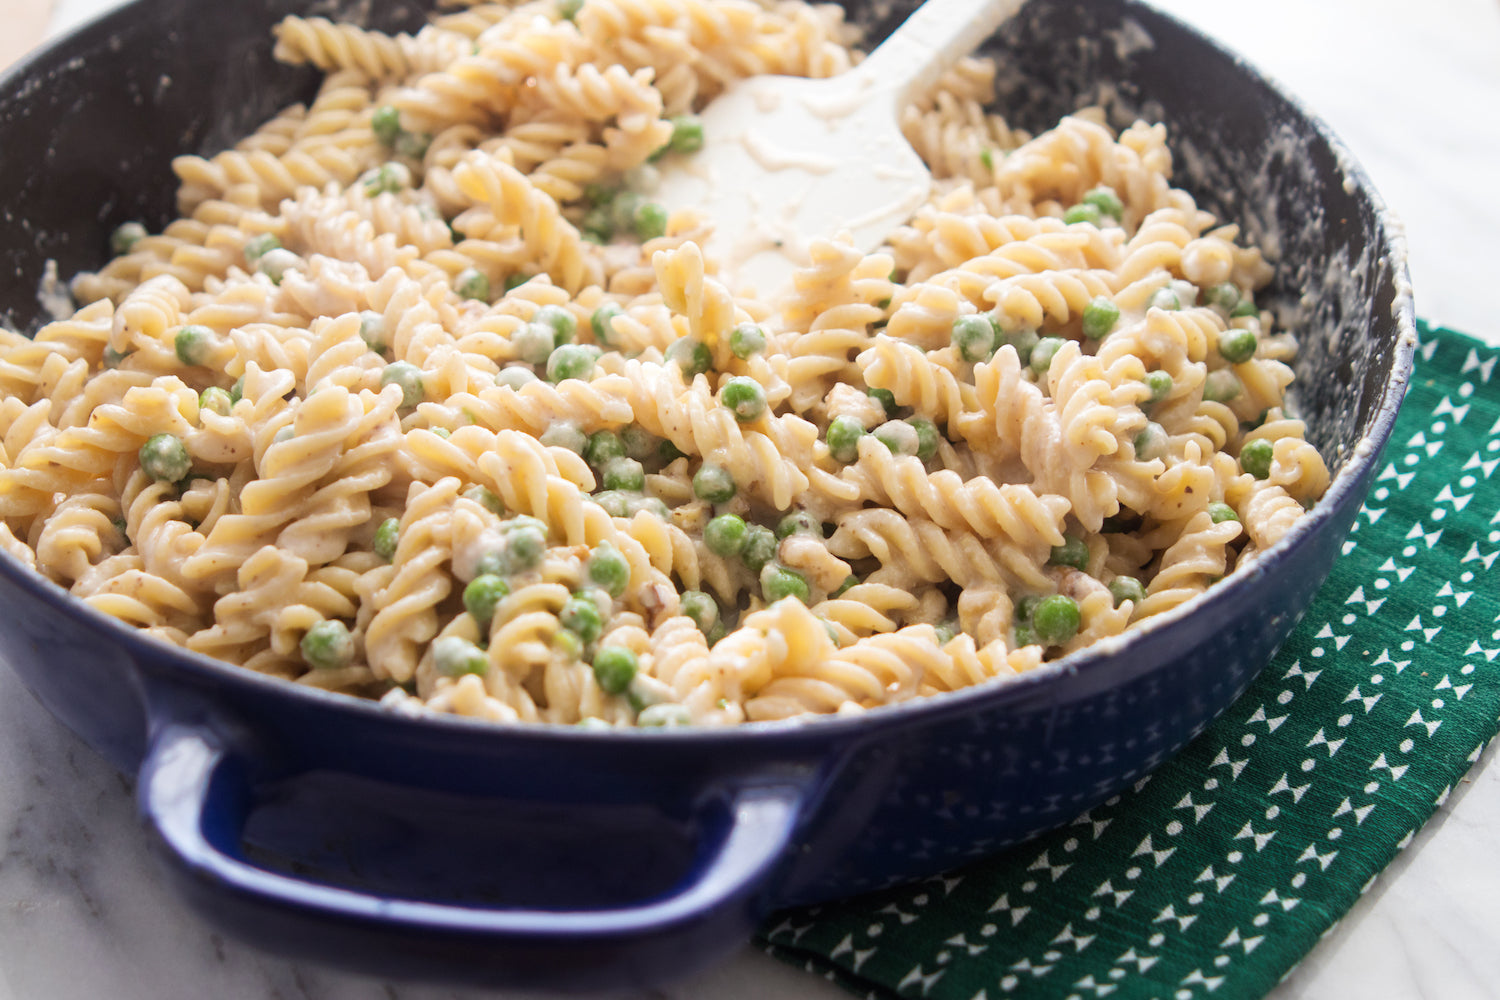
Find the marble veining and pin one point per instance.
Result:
(84, 913)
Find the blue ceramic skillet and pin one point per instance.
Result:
(528, 856)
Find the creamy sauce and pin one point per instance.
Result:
(771, 156)
(53, 294)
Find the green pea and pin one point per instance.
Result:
(1226, 296)
(274, 264)
(691, 355)
(1151, 443)
(113, 358)
(524, 546)
(899, 436)
(1100, 317)
(1056, 619)
(799, 522)
(386, 124)
(603, 322)
(668, 453)
(215, 400)
(570, 361)
(388, 178)
(843, 438)
(372, 331)
(534, 343)
(1026, 607)
(849, 581)
(886, 398)
(598, 224)
(1247, 307)
(1221, 386)
(714, 484)
(640, 444)
(126, 236)
(581, 617)
(1237, 346)
(778, 582)
(624, 474)
(485, 497)
(1025, 635)
(1074, 552)
(1083, 213)
(1159, 384)
(725, 535)
(598, 194)
(615, 666)
(194, 345)
(515, 280)
(1221, 512)
(1126, 588)
(744, 397)
(482, 595)
(701, 608)
(664, 716)
(651, 505)
(409, 377)
(1256, 457)
(946, 631)
(387, 536)
(1043, 353)
(565, 435)
(603, 447)
(454, 656)
(649, 221)
(165, 458)
(471, 283)
(609, 569)
(687, 134)
(760, 547)
(1024, 341)
(622, 211)
(927, 437)
(564, 324)
(413, 144)
(568, 10)
(1166, 298)
(328, 645)
(974, 337)
(615, 503)
(1106, 201)
(747, 340)
(515, 377)
(257, 247)
(987, 158)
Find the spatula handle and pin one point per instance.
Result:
(936, 35)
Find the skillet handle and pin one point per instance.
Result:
(194, 795)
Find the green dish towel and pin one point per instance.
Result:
(1213, 876)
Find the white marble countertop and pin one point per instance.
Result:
(1412, 87)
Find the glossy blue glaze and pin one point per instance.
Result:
(524, 855)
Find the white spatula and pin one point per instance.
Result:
(787, 160)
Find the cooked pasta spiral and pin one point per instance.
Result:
(424, 398)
